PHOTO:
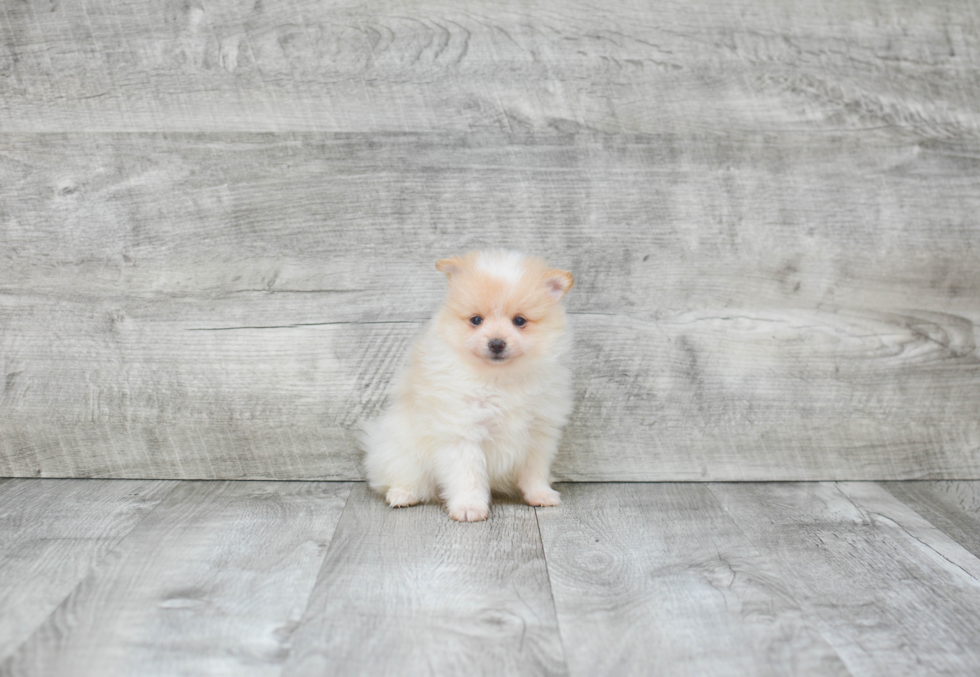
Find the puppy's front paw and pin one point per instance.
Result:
(400, 498)
(469, 512)
(544, 497)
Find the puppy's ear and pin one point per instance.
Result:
(558, 283)
(450, 266)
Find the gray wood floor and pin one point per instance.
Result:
(148, 577)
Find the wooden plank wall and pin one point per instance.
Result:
(218, 222)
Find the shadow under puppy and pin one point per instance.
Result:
(480, 405)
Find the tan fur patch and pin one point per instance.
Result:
(473, 291)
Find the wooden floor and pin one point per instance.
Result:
(142, 577)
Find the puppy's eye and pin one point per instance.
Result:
(519, 321)
(476, 320)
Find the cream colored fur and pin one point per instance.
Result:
(464, 421)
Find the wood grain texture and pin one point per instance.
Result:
(811, 220)
(953, 507)
(409, 591)
(260, 578)
(769, 208)
(213, 581)
(691, 67)
(52, 534)
(747, 306)
(933, 541)
(657, 579)
(883, 593)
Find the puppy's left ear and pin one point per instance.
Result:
(450, 266)
(558, 283)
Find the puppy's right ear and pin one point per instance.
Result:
(450, 266)
(558, 283)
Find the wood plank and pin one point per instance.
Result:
(410, 591)
(650, 224)
(177, 403)
(747, 306)
(883, 506)
(888, 602)
(657, 579)
(444, 65)
(213, 581)
(953, 507)
(52, 534)
(773, 395)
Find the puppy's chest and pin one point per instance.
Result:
(494, 410)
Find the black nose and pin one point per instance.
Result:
(497, 346)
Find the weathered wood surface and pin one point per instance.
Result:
(410, 591)
(213, 581)
(770, 208)
(52, 534)
(953, 507)
(170, 311)
(271, 578)
(933, 541)
(879, 584)
(657, 579)
(690, 67)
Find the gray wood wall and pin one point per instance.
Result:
(218, 223)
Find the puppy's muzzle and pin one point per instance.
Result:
(497, 347)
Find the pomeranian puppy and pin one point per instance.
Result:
(481, 403)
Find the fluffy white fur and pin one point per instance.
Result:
(466, 420)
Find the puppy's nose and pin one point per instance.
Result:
(497, 346)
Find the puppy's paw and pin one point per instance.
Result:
(469, 512)
(544, 497)
(401, 498)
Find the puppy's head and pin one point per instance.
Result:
(503, 307)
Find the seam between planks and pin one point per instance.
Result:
(932, 504)
(551, 592)
(316, 580)
(810, 615)
(905, 530)
(95, 564)
(306, 324)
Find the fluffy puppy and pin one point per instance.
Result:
(480, 405)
